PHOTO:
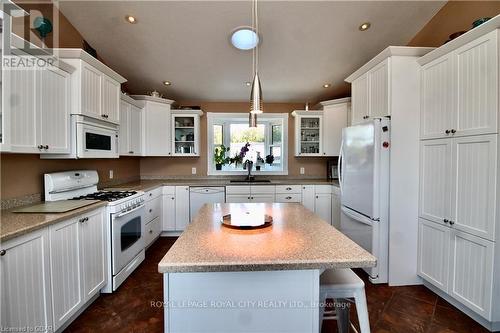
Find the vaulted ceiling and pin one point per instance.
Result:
(305, 44)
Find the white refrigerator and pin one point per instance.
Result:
(364, 184)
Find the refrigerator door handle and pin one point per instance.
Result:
(339, 166)
(358, 217)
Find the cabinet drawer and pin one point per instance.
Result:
(168, 190)
(263, 189)
(282, 189)
(153, 209)
(244, 189)
(153, 193)
(290, 197)
(152, 230)
(238, 198)
(323, 189)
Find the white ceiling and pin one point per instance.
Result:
(304, 43)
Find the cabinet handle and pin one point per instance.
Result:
(150, 210)
(150, 194)
(173, 198)
(81, 220)
(288, 198)
(317, 197)
(288, 188)
(46, 147)
(451, 222)
(40, 146)
(453, 131)
(447, 131)
(131, 152)
(3, 252)
(248, 197)
(150, 231)
(445, 220)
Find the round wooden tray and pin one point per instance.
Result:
(241, 224)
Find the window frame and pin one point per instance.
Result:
(214, 118)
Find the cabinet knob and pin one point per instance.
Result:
(3, 252)
(452, 222)
(447, 131)
(288, 198)
(40, 146)
(173, 198)
(81, 220)
(46, 147)
(150, 210)
(446, 220)
(248, 197)
(317, 197)
(131, 152)
(150, 231)
(288, 188)
(150, 194)
(453, 131)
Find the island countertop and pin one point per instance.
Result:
(298, 239)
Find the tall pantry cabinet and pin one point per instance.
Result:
(458, 255)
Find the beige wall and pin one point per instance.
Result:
(181, 166)
(453, 17)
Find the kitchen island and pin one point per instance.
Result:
(261, 280)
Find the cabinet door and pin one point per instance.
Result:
(336, 206)
(433, 253)
(53, 101)
(168, 221)
(360, 99)
(435, 180)
(379, 90)
(181, 207)
(471, 272)
(94, 254)
(262, 198)
(309, 135)
(323, 206)
(308, 197)
(477, 83)
(135, 132)
(157, 130)
(124, 134)
(21, 101)
(437, 98)
(25, 282)
(65, 270)
(238, 198)
(334, 120)
(474, 202)
(184, 135)
(91, 91)
(110, 108)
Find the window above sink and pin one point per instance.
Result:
(231, 130)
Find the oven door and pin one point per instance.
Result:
(96, 141)
(127, 236)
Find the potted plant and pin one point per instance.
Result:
(220, 156)
(238, 158)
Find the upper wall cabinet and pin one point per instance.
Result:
(130, 137)
(335, 117)
(186, 132)
(36, 105)
(95, 87)
(460, 90)
(156, 125)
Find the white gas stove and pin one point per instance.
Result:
(125, 212)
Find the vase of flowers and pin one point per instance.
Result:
(220, 158)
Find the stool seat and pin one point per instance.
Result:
(340, 279)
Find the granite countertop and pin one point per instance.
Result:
(150, 184)
(16, 224)
(298, 239)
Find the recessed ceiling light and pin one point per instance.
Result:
(167, 83)
(131, 19)
(248, 84)
(327, 85)
(244, 38)
(365, 26)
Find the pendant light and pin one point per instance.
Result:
(256, 106)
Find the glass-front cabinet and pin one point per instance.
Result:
(186, 132)
(308, 133)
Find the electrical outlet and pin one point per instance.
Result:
(111, 174)
(302, 170)
(193, 171)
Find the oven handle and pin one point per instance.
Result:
(129, 211)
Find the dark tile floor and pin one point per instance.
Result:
(391, 309)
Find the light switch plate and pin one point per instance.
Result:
(193, 171)
(302, 170)
(111, 175)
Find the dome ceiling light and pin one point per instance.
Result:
(244, 38)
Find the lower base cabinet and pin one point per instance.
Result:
(25, 283)
(175, 208)
(458, 263)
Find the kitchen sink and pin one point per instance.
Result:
(250, 181)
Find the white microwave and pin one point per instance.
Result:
(90, 138)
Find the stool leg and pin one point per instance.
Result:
(322, 301)
(362, 310)
(342, 310)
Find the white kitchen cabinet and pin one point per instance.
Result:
(433, 253)
(254, 193)
(169, 204)
(262, 198)
(37, 102)
(308, 197)
(130, 137)
(471, 271)
(335, 118)
(66, 273)
(435, 180)
(94, 252)
(238, 198)
(360, 99)
(378, 99)
(323, 206)
(25, 282)
(181, 207)
(186, 132)
(290, 198)
(78, 260)
(154, 214)
(152, 230)
(308, 133)
(95, 87)
(156, 125)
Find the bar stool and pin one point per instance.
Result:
(343, 284)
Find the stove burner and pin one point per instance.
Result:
(106, 195)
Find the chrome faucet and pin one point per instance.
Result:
(249, 166)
